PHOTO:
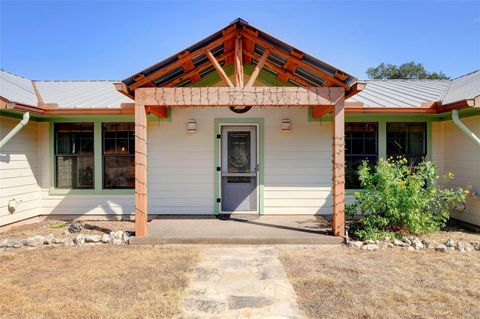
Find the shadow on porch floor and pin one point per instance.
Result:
(239, 229)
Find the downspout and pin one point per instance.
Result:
(16, 129)
(464, 128)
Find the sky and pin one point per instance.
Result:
(112, 40)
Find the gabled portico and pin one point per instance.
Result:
(301, 81)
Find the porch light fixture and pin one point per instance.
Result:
(192, 126)
(286, 125)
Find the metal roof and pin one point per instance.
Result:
(102, 94)
(400, 93)
(463, 88)
(16, 88)
(81, 94)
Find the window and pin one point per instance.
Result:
(360, 144)
(407, 139)
(74, 155)
(118, 155)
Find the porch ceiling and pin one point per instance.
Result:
(290, 65)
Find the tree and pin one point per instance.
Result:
(408, 71)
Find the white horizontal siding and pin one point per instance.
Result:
(456, 153)
(297, 166)
(19, 172)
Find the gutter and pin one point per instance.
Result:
(464, 128)
(16, 129)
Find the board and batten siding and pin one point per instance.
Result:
(297, 164)
(455, 152)
(19, 172)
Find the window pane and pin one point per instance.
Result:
(408, 140)
(74, 172)
(239, 152)
(118, 155)
(119, 171)
(74, 155)
(360, 145)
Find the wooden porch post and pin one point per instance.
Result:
(338, 161)
(141, 207)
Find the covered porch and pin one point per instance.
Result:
(240, 229)
(291, 79)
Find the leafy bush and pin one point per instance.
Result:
(398, 198)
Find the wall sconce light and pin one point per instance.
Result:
(286, 125)
(192, 126)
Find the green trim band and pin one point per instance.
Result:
(218, 122)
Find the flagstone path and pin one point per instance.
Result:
(240, 282)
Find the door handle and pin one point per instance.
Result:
(257, 167)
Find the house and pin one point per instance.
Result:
(239, 122)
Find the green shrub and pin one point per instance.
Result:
(400, 199)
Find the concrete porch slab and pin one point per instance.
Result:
(243, 230)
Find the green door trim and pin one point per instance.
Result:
(218, 122)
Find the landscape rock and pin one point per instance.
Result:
(416, 243)
(34, 241)
(126, 236)
(355, 244)
(58, 241)
(10, 243)
(370, 247)
(105, 239)
(371, 242)
(390, 245)
(117, 241)
(428, 243)
(399, 243)
(92, 238)
(407, 241)
(75, 227)
(476, 245)
(116, 234)
(49, 239)
(68, 242)
(79, 240)
(441, 248)
(450, 243)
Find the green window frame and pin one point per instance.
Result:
(361, 144)
(407, 139)
(74, 156)
(118, 155)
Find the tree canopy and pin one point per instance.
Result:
(408, 71)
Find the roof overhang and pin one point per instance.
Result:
(289, 64)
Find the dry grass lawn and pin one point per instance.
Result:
(338, 282)
(93, 282)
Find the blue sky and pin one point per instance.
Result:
(82, 40)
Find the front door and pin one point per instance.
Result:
(239, 169)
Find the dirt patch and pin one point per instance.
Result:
(338, 282)
(94, 282)
(57, 227)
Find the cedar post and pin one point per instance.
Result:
(141, 207)
(338, 166)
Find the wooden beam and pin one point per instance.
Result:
(194, 75)
(142, 80)
(338, 167)
(283, 75)
(159, 111)
(321, 110)
(355, 88)
(328, 77)
(141, 200)
(238, 62)
(219, 69)
(122, 88)
(232, 96)
(258, 68)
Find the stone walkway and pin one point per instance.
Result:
(240, 282)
